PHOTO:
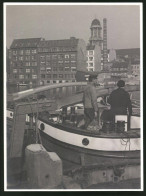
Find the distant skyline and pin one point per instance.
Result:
(54, 22)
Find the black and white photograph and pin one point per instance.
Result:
(73, 96)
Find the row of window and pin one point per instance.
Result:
(22, 70)
(17, 64)
(43, 76)
(135, 66)
(25, 58)
(59, 81)
(44, 58)
(26, 52)
(57, 49)
(28, 76)
(67, 63)
(49, 69)
(118, 69)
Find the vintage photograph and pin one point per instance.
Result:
(73, 87)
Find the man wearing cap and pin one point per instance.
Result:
(120, 101)
(90, 101)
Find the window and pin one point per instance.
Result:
(90, 58)
(54, 68)
(54, 75)
(27, 70)
(42, 63)
(90, 52)
(34, 76)
(14, 52)
(48, 57)
(54, 56)
(91, 64)
(60, 75)
(60, 56)
(73, 68)
(21, 58)
(66, 68)
(27, 76)
(60, 61)
(21, 52)
(60, 68)
(27, 52)
(48, 63)
(27, 63)
(48, 75)
(20, 70)
(33, 57)
(66, 56)
(27, 58)
(15, 76)
(42, 58)
(73, 56)
(21, 76)
(34, 63)
(14, 70)
(33, 71)
(15, 58)
(48, 69)
(42, 75)
(34, 51)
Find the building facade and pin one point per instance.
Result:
(119, 70)
(37, 61)
(23, 59)
(94, 47)
(60, 59)
(93, 58)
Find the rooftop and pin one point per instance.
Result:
(25, 43)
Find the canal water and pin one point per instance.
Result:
(59, 92)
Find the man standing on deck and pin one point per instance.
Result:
(120, 101)
(90, 101)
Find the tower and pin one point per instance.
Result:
(95, 28)
(104, 43)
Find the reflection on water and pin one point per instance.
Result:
(58, 92)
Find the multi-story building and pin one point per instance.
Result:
(94, 47)
(23, 56)
(128, 54)
(119, 70)
(36, 61)
(93, 58)
(135, 68)
(60, 59)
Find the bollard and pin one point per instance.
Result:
(44, 169)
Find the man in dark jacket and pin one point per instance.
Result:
(120, 101)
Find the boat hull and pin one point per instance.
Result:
(88, 154)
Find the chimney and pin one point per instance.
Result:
(104, 43)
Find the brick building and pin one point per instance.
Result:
(23, 59)
(60, 59)
(36, 61)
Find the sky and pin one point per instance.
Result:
(54, 22)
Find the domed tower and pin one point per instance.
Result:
(95, 38)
